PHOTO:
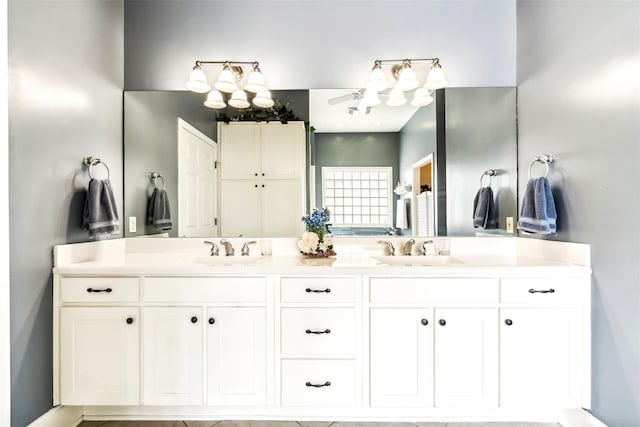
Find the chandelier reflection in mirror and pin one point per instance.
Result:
(228, 82)
(405, 81)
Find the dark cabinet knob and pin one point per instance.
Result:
(262, 173)
(508, 322)
(442, 322)
(212, 320)
(256, 185)
(262, 185)
(425, 322)
(256, 174)
(129, 320)
(194, 319)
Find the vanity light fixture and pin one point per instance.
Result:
(229, 81)
(406, 80)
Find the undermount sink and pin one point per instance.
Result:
(419, 260)
(224, 260)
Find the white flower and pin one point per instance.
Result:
(323, 246)
(328, 240)
(309, 242)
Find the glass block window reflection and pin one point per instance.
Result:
(357, 197)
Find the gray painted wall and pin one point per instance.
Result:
(65, 102)
(480, 126)
(355, 149)
(579, 99)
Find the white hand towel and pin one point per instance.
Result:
(401, 214)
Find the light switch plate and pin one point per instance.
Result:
(132, 224)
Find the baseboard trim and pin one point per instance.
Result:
(59, 416)
(579, 418)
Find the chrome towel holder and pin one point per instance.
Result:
(92, 161)
(545, 159)
(489, 173)
(154, 177)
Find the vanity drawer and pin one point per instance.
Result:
(318, 289)
(429, 290)
(334, 331)
(205, 289)
(542, 290)
(99, 289)
(335, 382)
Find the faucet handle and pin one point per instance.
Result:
(228, 248)
(245, 247)
(388, 247)
(214, 248)
(423, 247)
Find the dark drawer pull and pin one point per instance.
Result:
(442, 322)
(212, 320)
(326, 331)
(318, 291)
(129, 320)
(508, 322)
(194, 319)
(107, 290)
(536, 291)
(425, 322)
(326, 384)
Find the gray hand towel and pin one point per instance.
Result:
(538, 213)
(100, 216)
(485, 214)
(158, 212)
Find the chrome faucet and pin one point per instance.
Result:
(423, 247)
(245, 247)
(388, 249)
(407, 246)
(214, 249)
(229, 251)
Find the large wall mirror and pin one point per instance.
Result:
(435, 155)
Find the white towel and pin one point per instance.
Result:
(401, 214)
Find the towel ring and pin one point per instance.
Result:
(92, 161)
(545, 160)
(155, 176)
(489, 173)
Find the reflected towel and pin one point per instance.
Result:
(538, 214)
(100, 215)
(401, 214)
(158, 212)
(485, 214)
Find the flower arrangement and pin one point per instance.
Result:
(316, 241)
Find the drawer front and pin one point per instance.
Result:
(433, 290)
(205, 289)
(99, 289)
(318, 383)
(543, 290)
(318, 289)
(317, 331)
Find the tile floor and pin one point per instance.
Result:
(298, 424)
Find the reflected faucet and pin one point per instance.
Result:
(407, 246)
(214, 249)
(388, 249)
(245, 247)
(229, 251)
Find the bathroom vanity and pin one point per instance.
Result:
(152, 328)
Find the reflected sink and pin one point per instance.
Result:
(223, 260)
(419, 260)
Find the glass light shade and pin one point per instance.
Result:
(407, 79)
(239, 99)
(421, 98)
(435, 79)
(377, 80)
(255, 82)
(197, 81)
(263, 99)
(370, 97)
(214, 100)
(226, 81)
(396, 98)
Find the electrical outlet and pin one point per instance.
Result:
(510, 224)
(132, 224)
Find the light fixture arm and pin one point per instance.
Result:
(410, 60)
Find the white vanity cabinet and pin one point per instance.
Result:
(262, 186)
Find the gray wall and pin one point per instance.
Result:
(480, 126)
(355, 149)
(65, 102)
(579, 99)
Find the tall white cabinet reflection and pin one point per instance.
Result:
(262, 183)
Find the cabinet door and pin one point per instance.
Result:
(240, 208)
(281, 208)
(282, 149)
(173, 356)
(240, 151)
(236, 356)
(99, 355)
(401, 357)
(540, 357)
(466, 357)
